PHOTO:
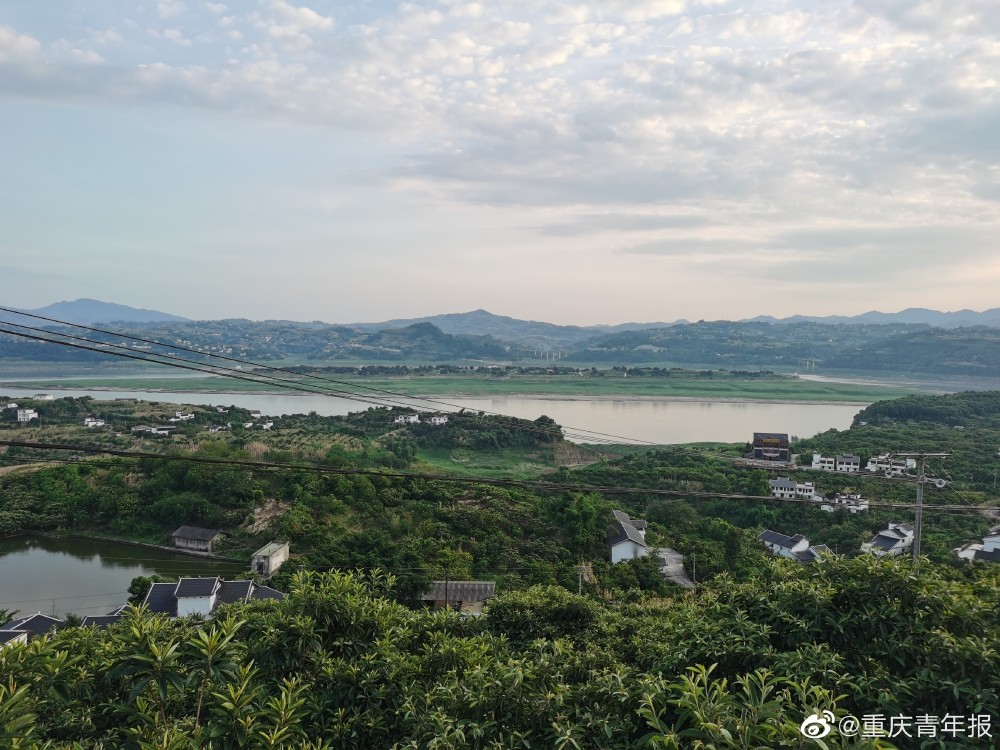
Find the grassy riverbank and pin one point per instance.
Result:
(723, 386)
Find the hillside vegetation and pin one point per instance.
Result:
(340, 665)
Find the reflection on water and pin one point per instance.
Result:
(626, 420)
(85, 576)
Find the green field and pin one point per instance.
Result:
(687, 385)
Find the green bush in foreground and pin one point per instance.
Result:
(339, 664)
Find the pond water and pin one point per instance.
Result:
(86, 576)
(631, 420)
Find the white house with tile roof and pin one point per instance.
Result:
(627, 538)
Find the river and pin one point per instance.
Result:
(624, 420)
(86, 576)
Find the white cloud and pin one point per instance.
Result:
(302, 17)
(170, 8)
(217, 8)
(14, 45)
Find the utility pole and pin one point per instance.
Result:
(694, 568)
(918, 511)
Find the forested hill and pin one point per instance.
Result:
(878, 348)
(885, 349)
(964, 409)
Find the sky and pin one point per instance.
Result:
(597, 161)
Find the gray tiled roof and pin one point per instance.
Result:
(231, 592)
(987, 555)
(6, 636)
(160, 599)
(461, 591)
(196, 587)
(266, 592)
(35, 624)
(196, 532)
(622, 532)
(773, 537)
(885, 541)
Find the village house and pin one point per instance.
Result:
(202, 596)
(102, 622)
(222, 409)
(437, 419)
(26, 415)
(895, 540)
(788, 489)
(795, 547)
(468, 597)
(407, 419)
(823, 463)
(771, 446)
(988, 551)
(848, 462)
(26, 628)
(850, 503)
(255, 415)
(44, 397)
(93, 422)
(220, 427)
(266, 425)
(627, 538)
(12, 637)
(270, 557)
(196, 538)
(887, 465)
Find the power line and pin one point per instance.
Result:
(599, 436)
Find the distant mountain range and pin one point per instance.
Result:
(91, 311)
(914, 315)
(529, 332)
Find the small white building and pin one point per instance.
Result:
(44, 397)
(895, 540)
(26, 415)
(988, 551)
(93, 422)
(202, 596)
(851, 503)
(795, 547)
(439, 419)
(196, 538)
(269, 558)
(885, 464)
(823, 463)
(848, 462)
(222, 409)
(407, 419)
(182, 416)
(255, 415)
(266, 425)
(787, 489)
(627, 538)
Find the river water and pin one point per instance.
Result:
(92, 576)
(86, 576)
(632, 420)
